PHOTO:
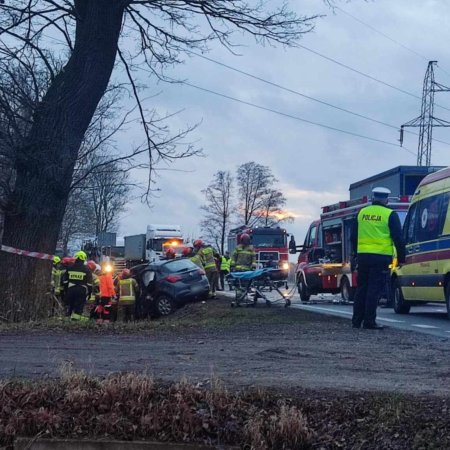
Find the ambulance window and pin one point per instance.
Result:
(444, 221)
(409, 227)
(428, 218)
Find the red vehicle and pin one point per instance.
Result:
(324, 263)
(270, 244)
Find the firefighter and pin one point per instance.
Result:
(77, 282)
(128, 291)
(103, 310)
(170, 253)
(376, 231)
(188, 252)
(225, 267)
(207, 254)
(244, 256)
(56, 276)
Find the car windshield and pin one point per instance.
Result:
(179, 265)
(269, 240)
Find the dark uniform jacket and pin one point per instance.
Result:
(78, 275)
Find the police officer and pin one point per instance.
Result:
(77, 282)
(376, 231)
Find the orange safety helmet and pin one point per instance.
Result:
(125, 274)
(170, 253)
(91, 265)
(245, 239)
(186, 251)
(198, 243)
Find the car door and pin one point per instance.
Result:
(425, 256)
(410, 267)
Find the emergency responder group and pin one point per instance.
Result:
(78, 282)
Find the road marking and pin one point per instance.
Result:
(422, 326)
(318, 308)
(390, 320)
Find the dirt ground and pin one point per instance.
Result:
(269, 347)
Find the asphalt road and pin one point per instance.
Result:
(429, 319)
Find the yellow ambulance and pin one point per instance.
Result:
(425, 276)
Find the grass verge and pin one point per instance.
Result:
(134, 407)
(215, 314)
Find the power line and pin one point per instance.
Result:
(301, 119)
(292, 91)
(389, 38)
(370, 77)
(382, 34)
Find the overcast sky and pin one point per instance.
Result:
(314, 165)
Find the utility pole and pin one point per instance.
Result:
(426, 121)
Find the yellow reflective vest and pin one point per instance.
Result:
(207, 256)
(56, 280)
(127, 290)
(244, 258)
(374, 235)
(225, 264)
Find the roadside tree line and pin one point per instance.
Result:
(251, 198)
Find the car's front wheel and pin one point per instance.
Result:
(400, 305)
(347, 292)
(303, 289)
(164, 305)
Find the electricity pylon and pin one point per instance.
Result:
(426, 121)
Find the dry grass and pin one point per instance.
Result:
(132, 407)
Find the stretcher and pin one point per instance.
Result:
(256, 284)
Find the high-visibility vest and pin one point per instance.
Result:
(56, 280)
(207, 255)
(244, 258)
(225, 264)
(374, 235)
(127, 290)
(197, 260)
(106, 285)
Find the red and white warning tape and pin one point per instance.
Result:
(17, 251)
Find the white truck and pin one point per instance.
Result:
(153, 245)
(160, 237)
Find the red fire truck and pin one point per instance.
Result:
(324, 263)
(270, 244)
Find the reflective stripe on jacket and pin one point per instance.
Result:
(127, 290)
(374, 235)
(197, 260)
(244, 258)
(207, 256)
(78, 275)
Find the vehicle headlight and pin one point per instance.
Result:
(285, 266)
(108, 268)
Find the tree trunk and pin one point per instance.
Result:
(45, 164)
